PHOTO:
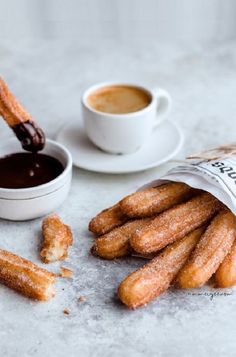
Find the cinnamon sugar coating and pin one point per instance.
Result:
(25, 277)
(155, 277)
(115, 244)
(211, 250)
(10, 108)
(107, 220)
(175, 223)
(154, 200)
(226, 273)
(57, 238)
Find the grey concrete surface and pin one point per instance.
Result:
(49, 78)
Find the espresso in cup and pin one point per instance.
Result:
(120, 117)
(119, 99)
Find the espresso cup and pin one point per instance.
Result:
(120, 117)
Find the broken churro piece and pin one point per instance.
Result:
(211, 250)
(66, 273)
(175, 223)
(156, 276)
(226, 273)
(106, 220)
(57, 239)
(115, 244)
(25, 277)
(154, 200)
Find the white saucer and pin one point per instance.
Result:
(164, 144)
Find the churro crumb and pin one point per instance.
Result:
(66, 312)
(66, 273)
(82, 299)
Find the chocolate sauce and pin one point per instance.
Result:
(30, 135)
(22, 170)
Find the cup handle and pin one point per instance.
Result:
(164, 103)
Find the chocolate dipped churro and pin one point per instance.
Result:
(20, 121)
(25, 277)
(175, 223)
(211, 250)
(108, 219)
(154, 200)
(115, 244)
(57, 238)
(155, 277)
(226, 274)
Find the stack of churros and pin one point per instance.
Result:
(188, 233)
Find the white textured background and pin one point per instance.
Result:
(120, 20)
(50, 51)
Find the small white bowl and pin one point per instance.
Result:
(28, 203)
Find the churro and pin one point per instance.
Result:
(20, 121)
(175, 223)
(115, 244)
(66, 273)
(57, 237)
(82, 299)
(212, 248)
(155, 277)
(154, 200)
(25, 277)
(66, 311)
(226, 274)
(107, 220)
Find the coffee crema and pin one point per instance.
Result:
(23, 170)
(119, 99)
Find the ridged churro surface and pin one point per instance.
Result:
(212, 248)
(57, 238)
(10, 108)
(175, 223)
(107, 220)
(25, 277)
(31, 136)
(226, 273)
(154, 200)
(156, 276)
(115, 244)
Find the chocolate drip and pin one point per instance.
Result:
(31, 136)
